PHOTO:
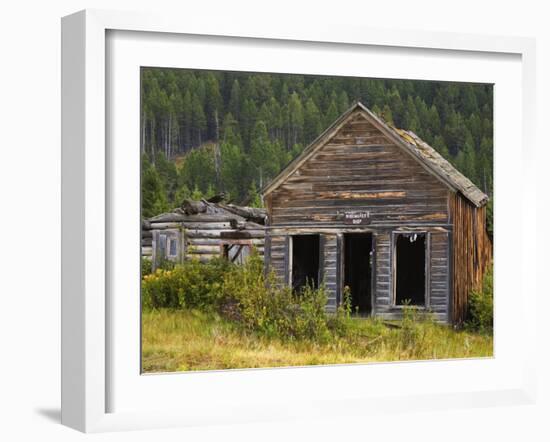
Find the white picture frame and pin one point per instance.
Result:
(88, 320)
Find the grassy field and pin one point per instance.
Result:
(178, 340)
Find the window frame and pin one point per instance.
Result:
(169, 241)
(320, 263)
(176, 235)
(231, 242)
(427, 266)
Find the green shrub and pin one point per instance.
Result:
(146, 266)
(160, 289)
(312, 320)
(266, 307)
(480, 306)
(192, 284)
(340, 323)
(165, 263)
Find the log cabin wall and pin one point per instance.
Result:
(197, 240)
(472, 252)
(204, 241)
(361, 170)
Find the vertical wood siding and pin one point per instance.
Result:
(277, 261)
(472, 253)
(438, 299)
(330, 273)
(382, 285)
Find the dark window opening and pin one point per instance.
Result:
(357, 270)
(410, 269)
(305, 261)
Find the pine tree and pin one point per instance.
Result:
(387, 115)
(332, 114)
(196, 194)
(183, 193)
(312, 121)
(153, 194)
(235, 100)
(410, 118)
(475, 127)
(485, 165)
(277, 119)
(254, 199)
(198, 120)
(343, 102)
(233, 172)
(295, 118)
(263, 156)
(467, 100)
(455, 132)
(264, 114)
(395, 106)
(465, 161)
(213, 107)
(187, 117)
(439, 145)
(230, 131)
(198, 169)
(433, 121)
(168, 173)
(249, 115)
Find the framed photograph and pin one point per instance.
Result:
(274, 223)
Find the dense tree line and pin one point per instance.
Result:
(205, 132)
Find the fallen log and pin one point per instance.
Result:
(250, 213)
(198, 218)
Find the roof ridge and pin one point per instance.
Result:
(421, 151)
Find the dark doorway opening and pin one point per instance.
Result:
(410, 269)
(305, 261)
(357, 270)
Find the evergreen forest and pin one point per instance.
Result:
(209, 132)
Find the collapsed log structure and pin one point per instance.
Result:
(378, 210)
(203, 230)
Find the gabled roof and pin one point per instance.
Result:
(423, 153)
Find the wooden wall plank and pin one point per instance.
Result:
(472, 253)
(360, 169)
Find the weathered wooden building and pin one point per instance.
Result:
(376, 209)
(203, 230)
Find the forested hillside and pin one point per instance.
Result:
(205, 132)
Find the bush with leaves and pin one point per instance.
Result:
(192, 284)
(340, 323)
(266, 307)
(146, 266)
(480, 306)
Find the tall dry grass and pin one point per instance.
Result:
(176, 340)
